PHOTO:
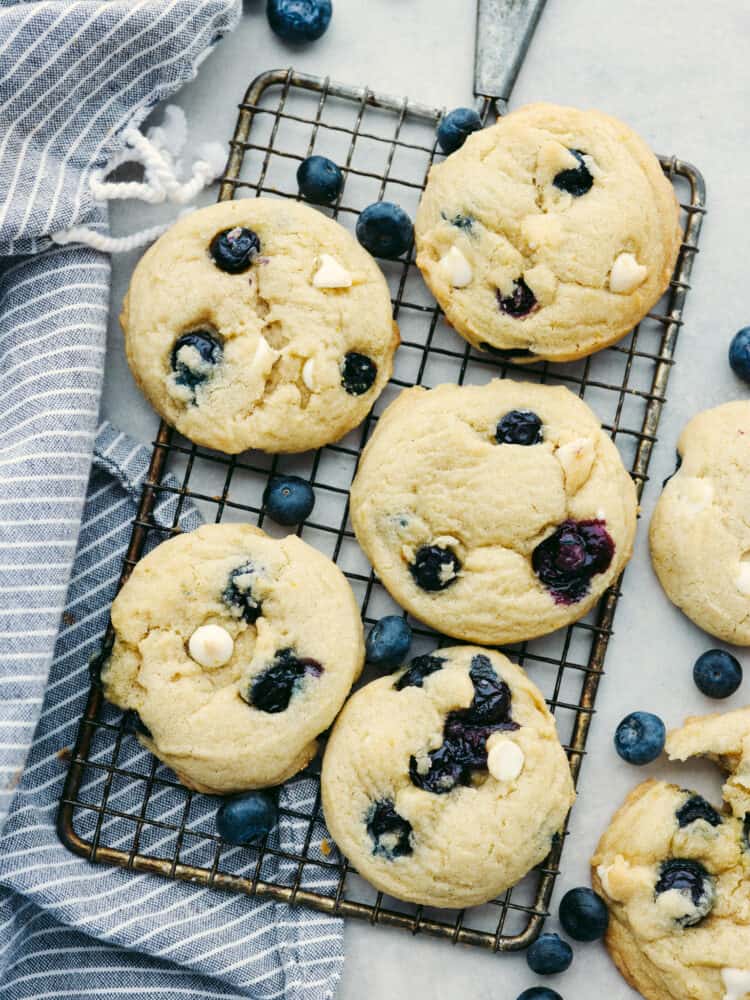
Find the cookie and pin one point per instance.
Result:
(548, 235)
(493, 513)
(675, 873)
(700, 529)
(445, 783)
(236, 650)
(259, 323)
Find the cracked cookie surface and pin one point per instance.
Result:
(493, 513)
(675, 873)
(252, 352)
(549, 234)
(294, 647)
(700, 529)
(445, 782)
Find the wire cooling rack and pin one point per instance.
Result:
(385, 147)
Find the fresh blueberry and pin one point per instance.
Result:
(272, 690)
(717, 673)
(299, 20)
(194, 357)
(358, 372)
(465, 733)
(539, 993)
(583, 914)
(234, 250)
(575, 180)
(434, 567)
(696, 808)
(288, 499)
(385, 230)
(506, 353)
(567, 559)
(639, 738)
(246, 818)
(519, 427)
(549, 954)
(692, 880)
(238, 594)
(455, 127)
(389, 832)
(419, 668)
(739, 353)
(520, 303)
(319, 180)
(388, 641)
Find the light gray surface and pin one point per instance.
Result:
(679, 74)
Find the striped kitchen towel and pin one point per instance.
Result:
(74, 76)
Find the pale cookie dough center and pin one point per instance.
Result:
(211, 646)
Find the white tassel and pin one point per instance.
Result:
(159, 152)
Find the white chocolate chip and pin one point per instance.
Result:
(447, 572)
(505, 760)
(743, 578)
(211, 646)
(577, 459)
(331, 274)
(603, 872)
(626, 274)
(264, 357)
(308, 371)
(456, 268)
(694, 493)
(736, 983)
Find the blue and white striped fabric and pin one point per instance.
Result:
(73, 75)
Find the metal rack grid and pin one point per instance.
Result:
(385, 147)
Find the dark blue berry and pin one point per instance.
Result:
(549, 954)
(460, 221)
(567, 559)
(434, 567)
(419, 668)
(238, 594)
(299, 20)
(693, 881)
(697, 808)
(739, 354)
(465, 733)
(388, 641)
(234, 250)
(539, 993)
(717, 674)
(358, 372)
(455, 127)
(506, 353)
(640, 737)
(288, 499)
(191, 370)
(320, 180)
(389, 832)
(385, 230)
(519, 427)
(272, 690)
(575, 180)
(583, 914)
(520, 303)
(246, 818)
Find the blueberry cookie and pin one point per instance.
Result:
(445, 783)
(548, 235)
(259, 324)
(236, 650)
(675, 873)
(700, 530)
(493, 513)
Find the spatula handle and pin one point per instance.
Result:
(504, 31)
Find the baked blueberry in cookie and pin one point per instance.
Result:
(575, 180)
(358, 373)
(691, 880)
(234, 250)
(493, 512)
(520, 303)
(194, 359)
(435, 790)
(233, 652)
(696, 808)
(272, 690)
(567, 559)
(390, 833)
